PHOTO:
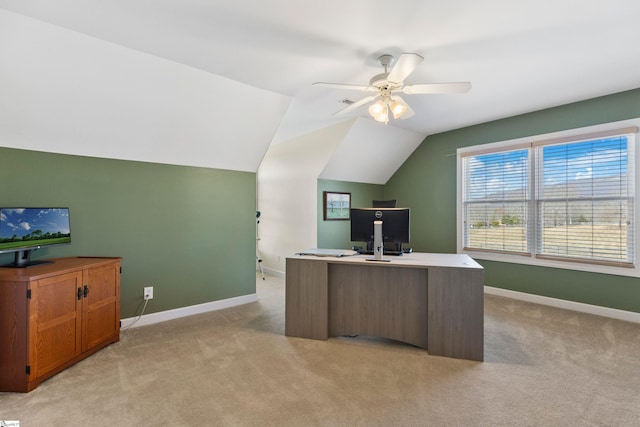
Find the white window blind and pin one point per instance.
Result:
(585, 200)
(569, 199)
(496, 198)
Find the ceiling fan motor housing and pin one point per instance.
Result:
(385, 60)
(380, 80)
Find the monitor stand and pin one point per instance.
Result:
(378, 246)
(23, 260)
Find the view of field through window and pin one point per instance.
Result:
(577, 202)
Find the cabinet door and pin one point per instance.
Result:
(55, 324)
(101, 308)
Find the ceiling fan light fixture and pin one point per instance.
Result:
(386, 85)
(383, 116)
(398, 109)
(377, 108)
(380, 111)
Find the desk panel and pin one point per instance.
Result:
(378, 301)
(306, 305)
(456, 313)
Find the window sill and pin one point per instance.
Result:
(551, 263)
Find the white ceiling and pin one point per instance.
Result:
(518, 56)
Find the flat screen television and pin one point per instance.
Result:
(23, 230)
(395, 224)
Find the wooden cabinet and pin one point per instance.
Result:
(53, 315)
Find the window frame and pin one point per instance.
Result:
(569, 136)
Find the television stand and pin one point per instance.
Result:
(55, 315)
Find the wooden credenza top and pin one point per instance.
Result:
(59, 266)
(415, 259)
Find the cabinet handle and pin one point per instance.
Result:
(86, 290)
(79, 293)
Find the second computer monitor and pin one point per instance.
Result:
(383, 204)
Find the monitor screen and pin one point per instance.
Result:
(26, 229)
(395, 224)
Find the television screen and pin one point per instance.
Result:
(23, 230)
(395, 224)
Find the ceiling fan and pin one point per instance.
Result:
(386, 86)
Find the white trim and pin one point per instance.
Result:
(628, 316)
(177, 313)
(162, 316)
(273, 272)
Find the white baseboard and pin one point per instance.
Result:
(613, 313)
(273, 272)
(162, 316)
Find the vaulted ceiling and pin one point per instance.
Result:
(215, 83)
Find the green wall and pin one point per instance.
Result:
(427, 183)
(336, 234)
(188, 232)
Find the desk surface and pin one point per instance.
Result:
(415, 259)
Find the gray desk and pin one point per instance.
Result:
(432, 301)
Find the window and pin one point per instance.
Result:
(496, 198)
(563, 199)
(585, 200)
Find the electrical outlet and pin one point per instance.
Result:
(148, 292)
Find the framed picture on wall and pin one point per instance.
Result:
(336, 205)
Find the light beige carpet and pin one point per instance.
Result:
(543, 367)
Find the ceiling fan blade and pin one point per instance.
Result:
(355, 105)
(404, 66)
(429, 88)
(409, 112)
(345, 86)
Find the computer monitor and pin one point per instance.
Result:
(383, 204)
(395, 225)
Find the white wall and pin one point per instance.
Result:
(62, 91)
(371, 153)
(287, 193)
